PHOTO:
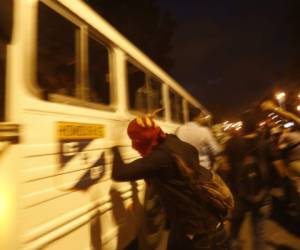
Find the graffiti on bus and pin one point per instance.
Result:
(79, 154)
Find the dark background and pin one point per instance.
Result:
(228, 54)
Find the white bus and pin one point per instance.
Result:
(69, 85)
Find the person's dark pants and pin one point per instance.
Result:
(259, 215)
(217, 240)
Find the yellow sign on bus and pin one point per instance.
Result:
(74, 130)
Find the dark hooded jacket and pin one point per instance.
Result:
(183, 207)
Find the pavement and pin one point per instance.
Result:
(276, 234)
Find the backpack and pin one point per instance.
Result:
(252, 173)
(208, 186)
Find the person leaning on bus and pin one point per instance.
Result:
(193, 225)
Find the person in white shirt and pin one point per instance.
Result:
(200, 136)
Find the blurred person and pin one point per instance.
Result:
(198, 134)
(249, 158)
(270, 106)
(289, 144)
(278, 162)
(190, 195)
(284, 181)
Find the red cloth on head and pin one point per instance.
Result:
(144, 137)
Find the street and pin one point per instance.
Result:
(282, 239)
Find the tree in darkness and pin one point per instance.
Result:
(144, 23)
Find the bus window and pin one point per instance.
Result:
(56, 53)
(176, 107)
(2, 80)
(99, 81)
(190, 110)
(154, 96)
(145, 94)
(136, 79)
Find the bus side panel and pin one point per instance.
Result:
(9, 164)
(68, 199)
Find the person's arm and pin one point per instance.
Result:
(215, 150)
(143, 168)
(213, 146)
(269, 105)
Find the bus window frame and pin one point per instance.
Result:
(152, 76)
(98, 37)
(173, 91)
(76, 21)
(136, 64)
(84, 29)
(148, 75)
(185, 110)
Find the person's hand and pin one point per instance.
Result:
(268, 105)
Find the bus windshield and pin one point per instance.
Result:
(2, 80)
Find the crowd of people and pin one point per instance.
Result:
(206, 188)
(263, 157)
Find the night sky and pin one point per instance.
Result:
(229, 54)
